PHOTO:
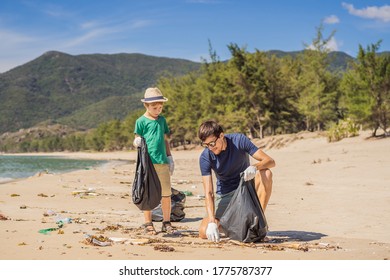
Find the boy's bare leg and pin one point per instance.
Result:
(148, 226)
(148, 216)
(166, 207)
(263, 186)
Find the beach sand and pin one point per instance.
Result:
(330, 201)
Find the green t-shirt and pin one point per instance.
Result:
(153, 131)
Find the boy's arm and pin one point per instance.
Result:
(166, 139)
(137, 141)
(169, 155)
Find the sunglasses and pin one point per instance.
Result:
(210, 144)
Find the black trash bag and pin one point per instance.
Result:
(244, 219)
(146, 190)
(178, 199)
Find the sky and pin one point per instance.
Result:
(185, 28)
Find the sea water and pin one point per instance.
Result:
(17, 167)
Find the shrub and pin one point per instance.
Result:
(345, 128)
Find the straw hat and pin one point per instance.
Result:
(153, 95)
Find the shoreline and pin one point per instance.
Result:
(315, 213)
(118, 155)
(59, 155)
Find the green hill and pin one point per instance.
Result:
(81, 90)
(114, 107)
(84, 90)
(338, 61)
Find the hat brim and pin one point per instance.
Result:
(154, 99)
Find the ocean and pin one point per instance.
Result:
(18, 167)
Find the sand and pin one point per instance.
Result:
(330, 201)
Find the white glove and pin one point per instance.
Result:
(212, 232)
(137, 142)
(250, 173)
(171, 165)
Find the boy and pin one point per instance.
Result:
(153, 127)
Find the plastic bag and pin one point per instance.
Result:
(146, 190)
(243, 219)
(178, 199)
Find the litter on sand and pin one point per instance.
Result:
(48, 230)
(100, 240)
(132, 241)
(3, 217)
(88, 192)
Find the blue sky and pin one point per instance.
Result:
(183, 28)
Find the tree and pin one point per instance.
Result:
(128, 125)
(317, 101)
(262, 92)
(250, 88)
(367, 89)
(183, 110)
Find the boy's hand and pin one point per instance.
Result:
(171, 165)
(137, 142)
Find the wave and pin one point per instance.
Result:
(20, 167)
(6, 180)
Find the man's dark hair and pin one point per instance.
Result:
(209, 128)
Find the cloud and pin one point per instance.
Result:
(95, 30)
(87, 37)
(203, 1)
(333, 45)
(136, 24)
(331, 19)
(372, 12)
(89, 24)
(56, 11)
(16, 48)
(10, 38)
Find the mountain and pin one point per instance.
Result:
(81, 90)
(84, 90)
(338, 61)
(385, 53)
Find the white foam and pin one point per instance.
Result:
(5, 179)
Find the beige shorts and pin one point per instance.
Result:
(162, 171)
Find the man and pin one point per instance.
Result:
(228, 156)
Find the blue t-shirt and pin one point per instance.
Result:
(229, 163)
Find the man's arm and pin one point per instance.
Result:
(209, 225)
(209, 197)
(264, 160)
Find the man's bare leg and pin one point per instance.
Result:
(263, 186)
(203, 227)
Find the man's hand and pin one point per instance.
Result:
(212, 232)
(250, 173)
(137, 142)
(171, 165)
